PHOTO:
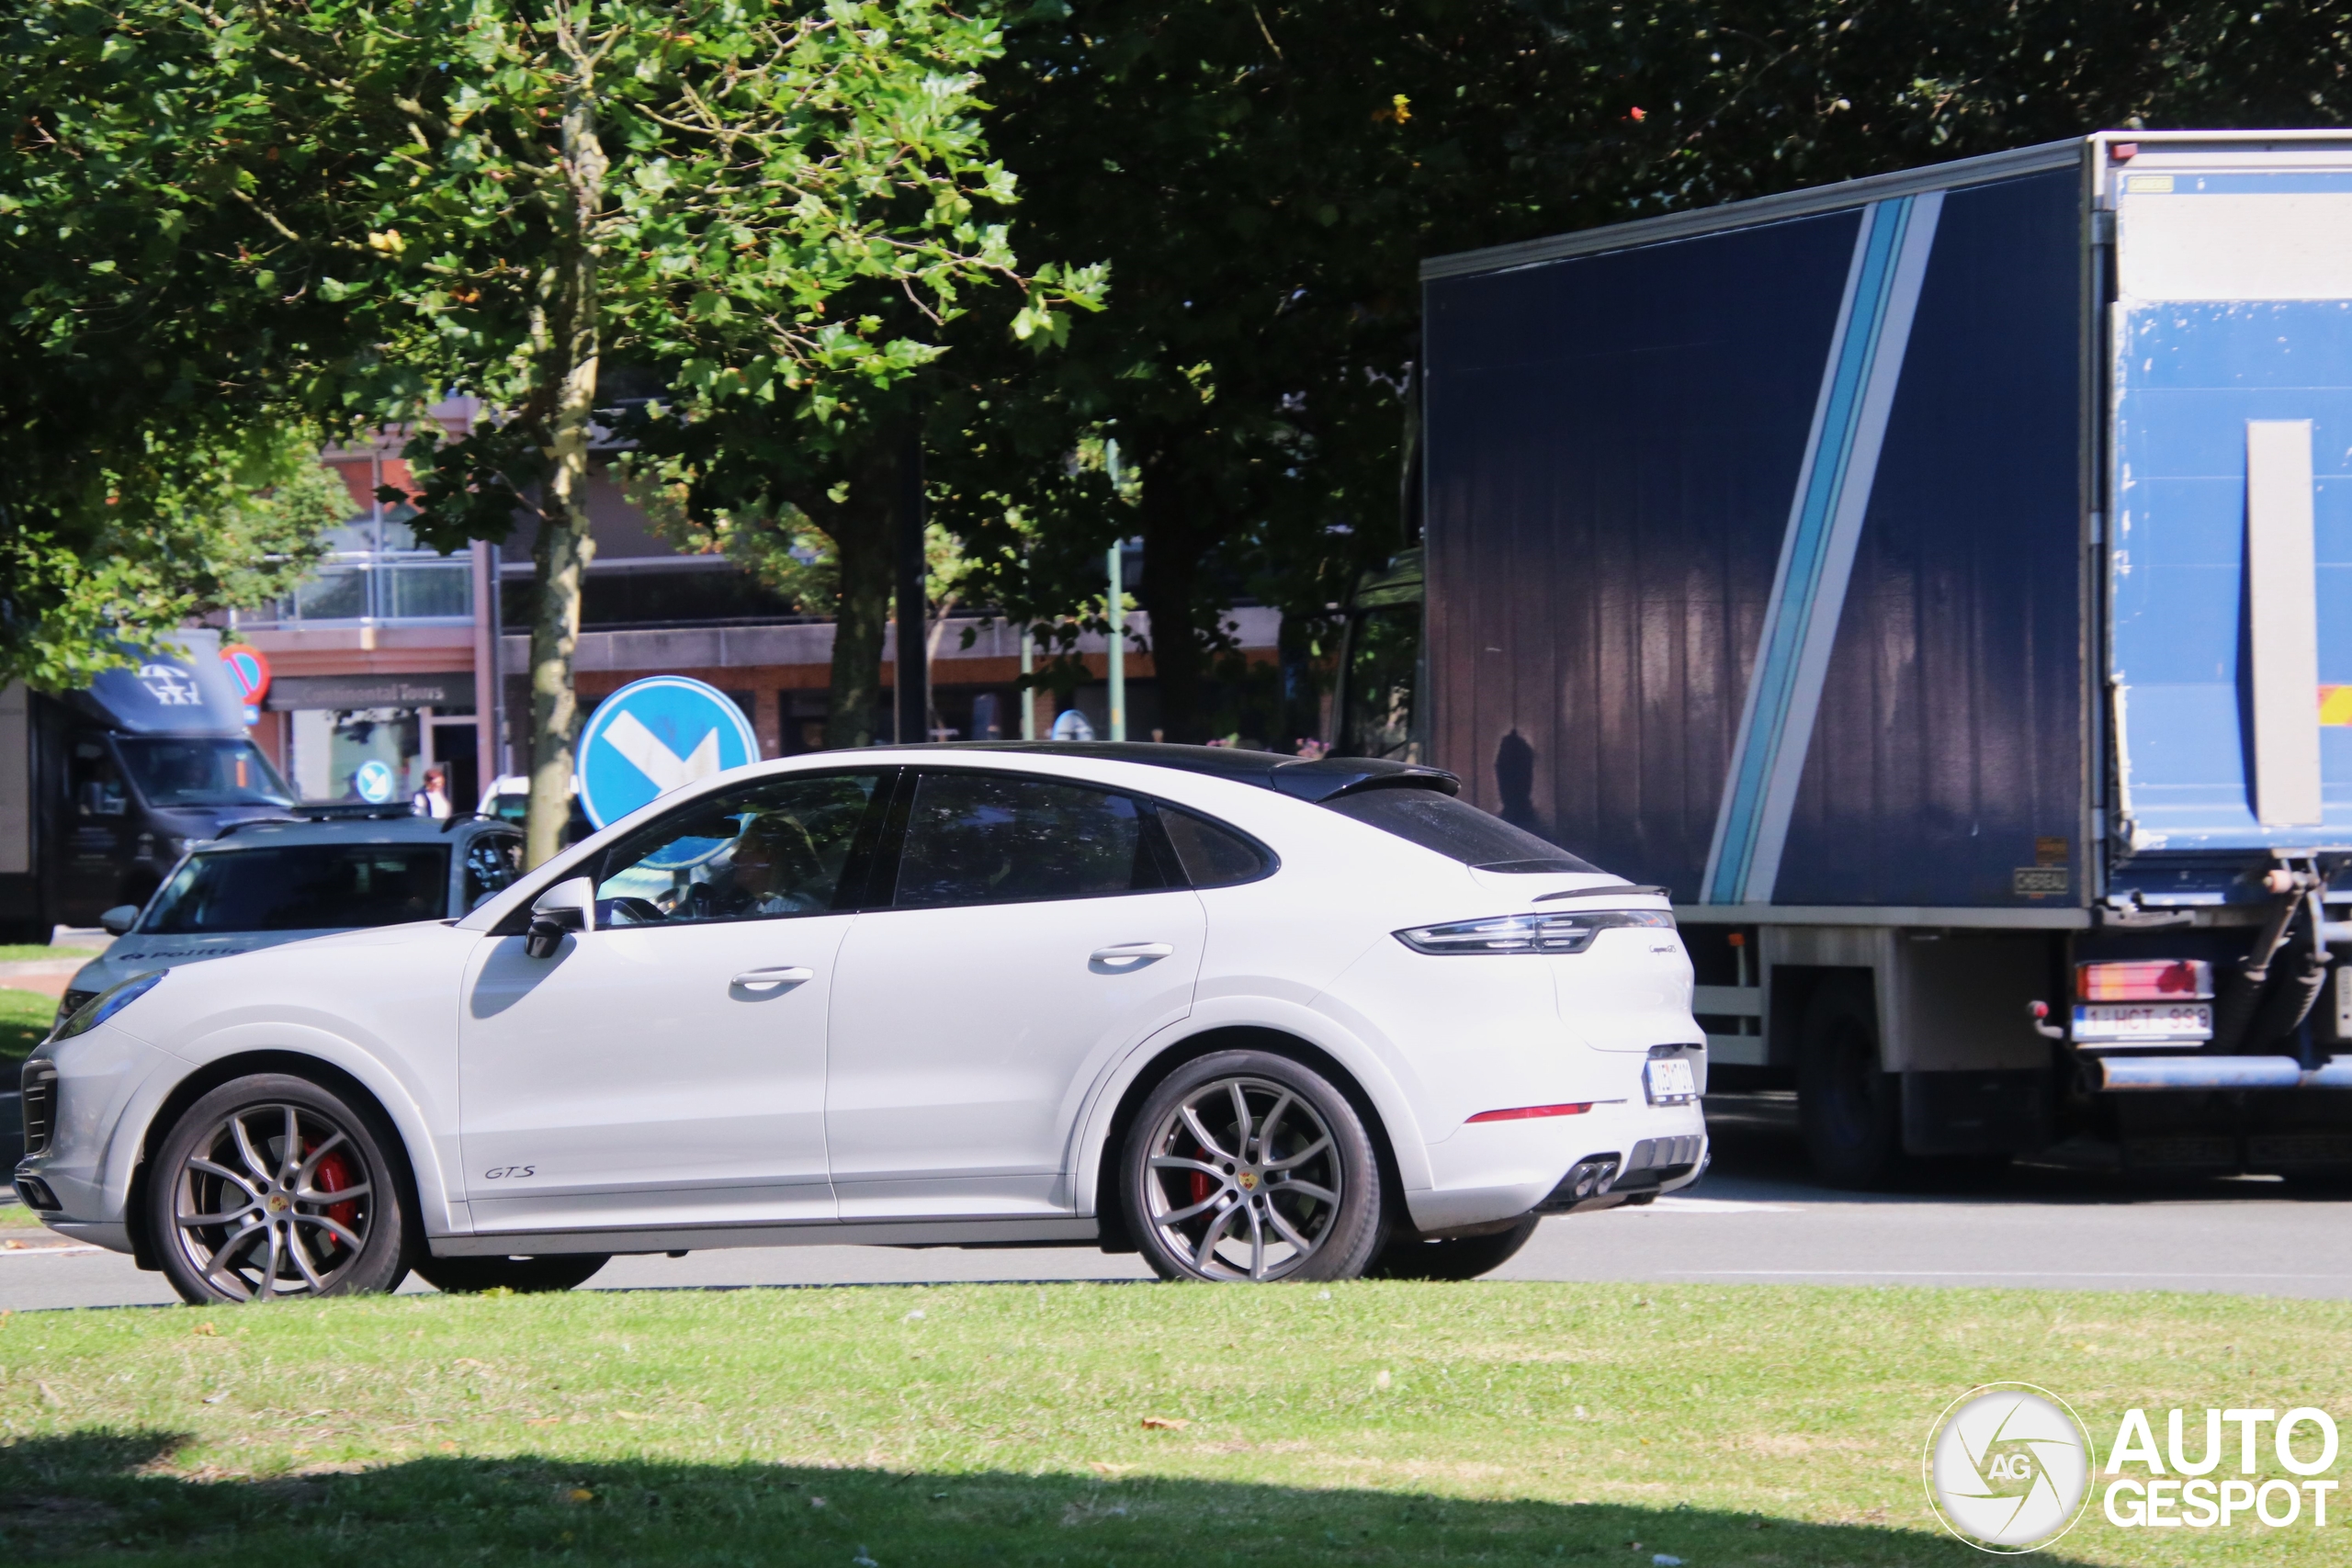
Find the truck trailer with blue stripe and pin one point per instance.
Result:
(1941, 582)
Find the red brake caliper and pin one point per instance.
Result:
(332, 1175)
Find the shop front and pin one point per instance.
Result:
(371, 738)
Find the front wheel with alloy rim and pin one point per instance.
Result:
(273, 1186)
(1248, 1165)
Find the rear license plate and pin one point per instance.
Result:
(2144, 1021)
(1669, 1082)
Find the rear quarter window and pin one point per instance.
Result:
(1456, 830)
(1212, 855)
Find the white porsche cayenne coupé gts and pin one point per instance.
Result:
(1256, 1017)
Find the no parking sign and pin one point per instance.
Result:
(654, 736)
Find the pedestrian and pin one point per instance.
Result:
(433, 800)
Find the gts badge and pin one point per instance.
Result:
(507, 1172)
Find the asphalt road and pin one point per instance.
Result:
(1755, 1220)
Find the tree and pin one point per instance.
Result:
(160, 419)
(751, 466)
(700, 182)
(1264, 179)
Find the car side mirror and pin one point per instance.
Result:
(118, 919)
(564, 910)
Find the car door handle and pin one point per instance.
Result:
(1127, 955)
(759, 980)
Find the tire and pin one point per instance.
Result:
(1460, 1258)
(1850, 1112)
(333, 1219)
(1190, 1182)
(524, 1276)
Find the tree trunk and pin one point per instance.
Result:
(862, 526)
(1171, 562)
(570, 348)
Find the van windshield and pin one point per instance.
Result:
(303, 887)
(178, 770)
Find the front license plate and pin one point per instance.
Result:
(1669, 1082)
(2143, 1021)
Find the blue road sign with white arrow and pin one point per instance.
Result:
(654, 736)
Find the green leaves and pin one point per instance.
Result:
(172, 365)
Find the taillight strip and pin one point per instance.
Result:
(1528, 1112)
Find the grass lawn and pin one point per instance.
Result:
(28, 952)
(1383, 1424)
(24, 1018)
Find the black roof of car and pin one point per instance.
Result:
(352, 830)
(1319, 779)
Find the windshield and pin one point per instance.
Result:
(176, 771)
(303, 887)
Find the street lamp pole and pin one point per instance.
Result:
(1118, 652)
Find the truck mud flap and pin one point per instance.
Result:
(2001, 1112)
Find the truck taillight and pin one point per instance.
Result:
(2144, 980)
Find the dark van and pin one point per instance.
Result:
(102, 789)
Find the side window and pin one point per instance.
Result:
(1212, 855)
(1002, 839)
(773, 848)
(493, 860)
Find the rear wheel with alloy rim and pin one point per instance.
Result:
(272, 1186)
(1248, 1165)
(524, 1276)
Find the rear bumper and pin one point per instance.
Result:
(1500, 1170)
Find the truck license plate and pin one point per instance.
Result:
(1669, 1082)
(2144, 1021)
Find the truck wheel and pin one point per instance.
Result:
(1850, 1111)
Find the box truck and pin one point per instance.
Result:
(101, 789)
(1942, 584)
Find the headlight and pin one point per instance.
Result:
(1528, 933)
(107, 1004)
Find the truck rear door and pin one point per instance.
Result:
(2229, 654)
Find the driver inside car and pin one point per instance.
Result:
(772, 865)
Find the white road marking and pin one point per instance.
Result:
(33, 1249)
(644, 750)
